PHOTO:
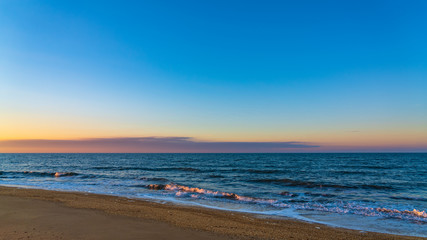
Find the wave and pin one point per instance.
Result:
(215, 176)
(355, 208)
(256, 171)
(295, 203)
(43, 174)
(290, 182)
(154, 179)
(379, 187)
(355, 172)
(262, 171)
(415, 212)
(65, 174)
(288, 194)
(303, 201)
(383, 167)
(409, 198)
(186, 169)
(320, 194)
(113, 168)
(155, 186)
(53, 174)
(182, 190)
(309, 184)
(90, 176)
(121, 168)
(372, 167)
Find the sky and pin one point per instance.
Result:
(213, 76)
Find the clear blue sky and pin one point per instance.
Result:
(330, 73)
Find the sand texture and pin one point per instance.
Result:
(42, 214)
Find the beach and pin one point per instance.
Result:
(213, 120)
(42, 214)
(364, 192)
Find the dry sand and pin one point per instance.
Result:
(41, 214)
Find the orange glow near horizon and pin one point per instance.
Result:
(99, 145)
(315, 83)
(409, 138)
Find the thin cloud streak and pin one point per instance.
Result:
(148, 145)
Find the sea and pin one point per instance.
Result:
(380, 192)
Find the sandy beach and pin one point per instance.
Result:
(42, 214)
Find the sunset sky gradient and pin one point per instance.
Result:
(198, 76)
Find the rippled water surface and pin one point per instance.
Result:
(374, 192)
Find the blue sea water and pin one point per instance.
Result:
(382, 192)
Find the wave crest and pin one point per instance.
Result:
(65, 174)
(49, 174)
(293, 202)
(415, 212)
(180, 190)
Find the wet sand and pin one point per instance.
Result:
(42, 214)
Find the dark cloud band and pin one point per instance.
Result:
(149, 144)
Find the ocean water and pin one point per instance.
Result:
(370, 192)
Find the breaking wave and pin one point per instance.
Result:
(397, 213)
(181, 190)
(373, 193)
(294, 202)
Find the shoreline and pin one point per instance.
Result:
(206, 222)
